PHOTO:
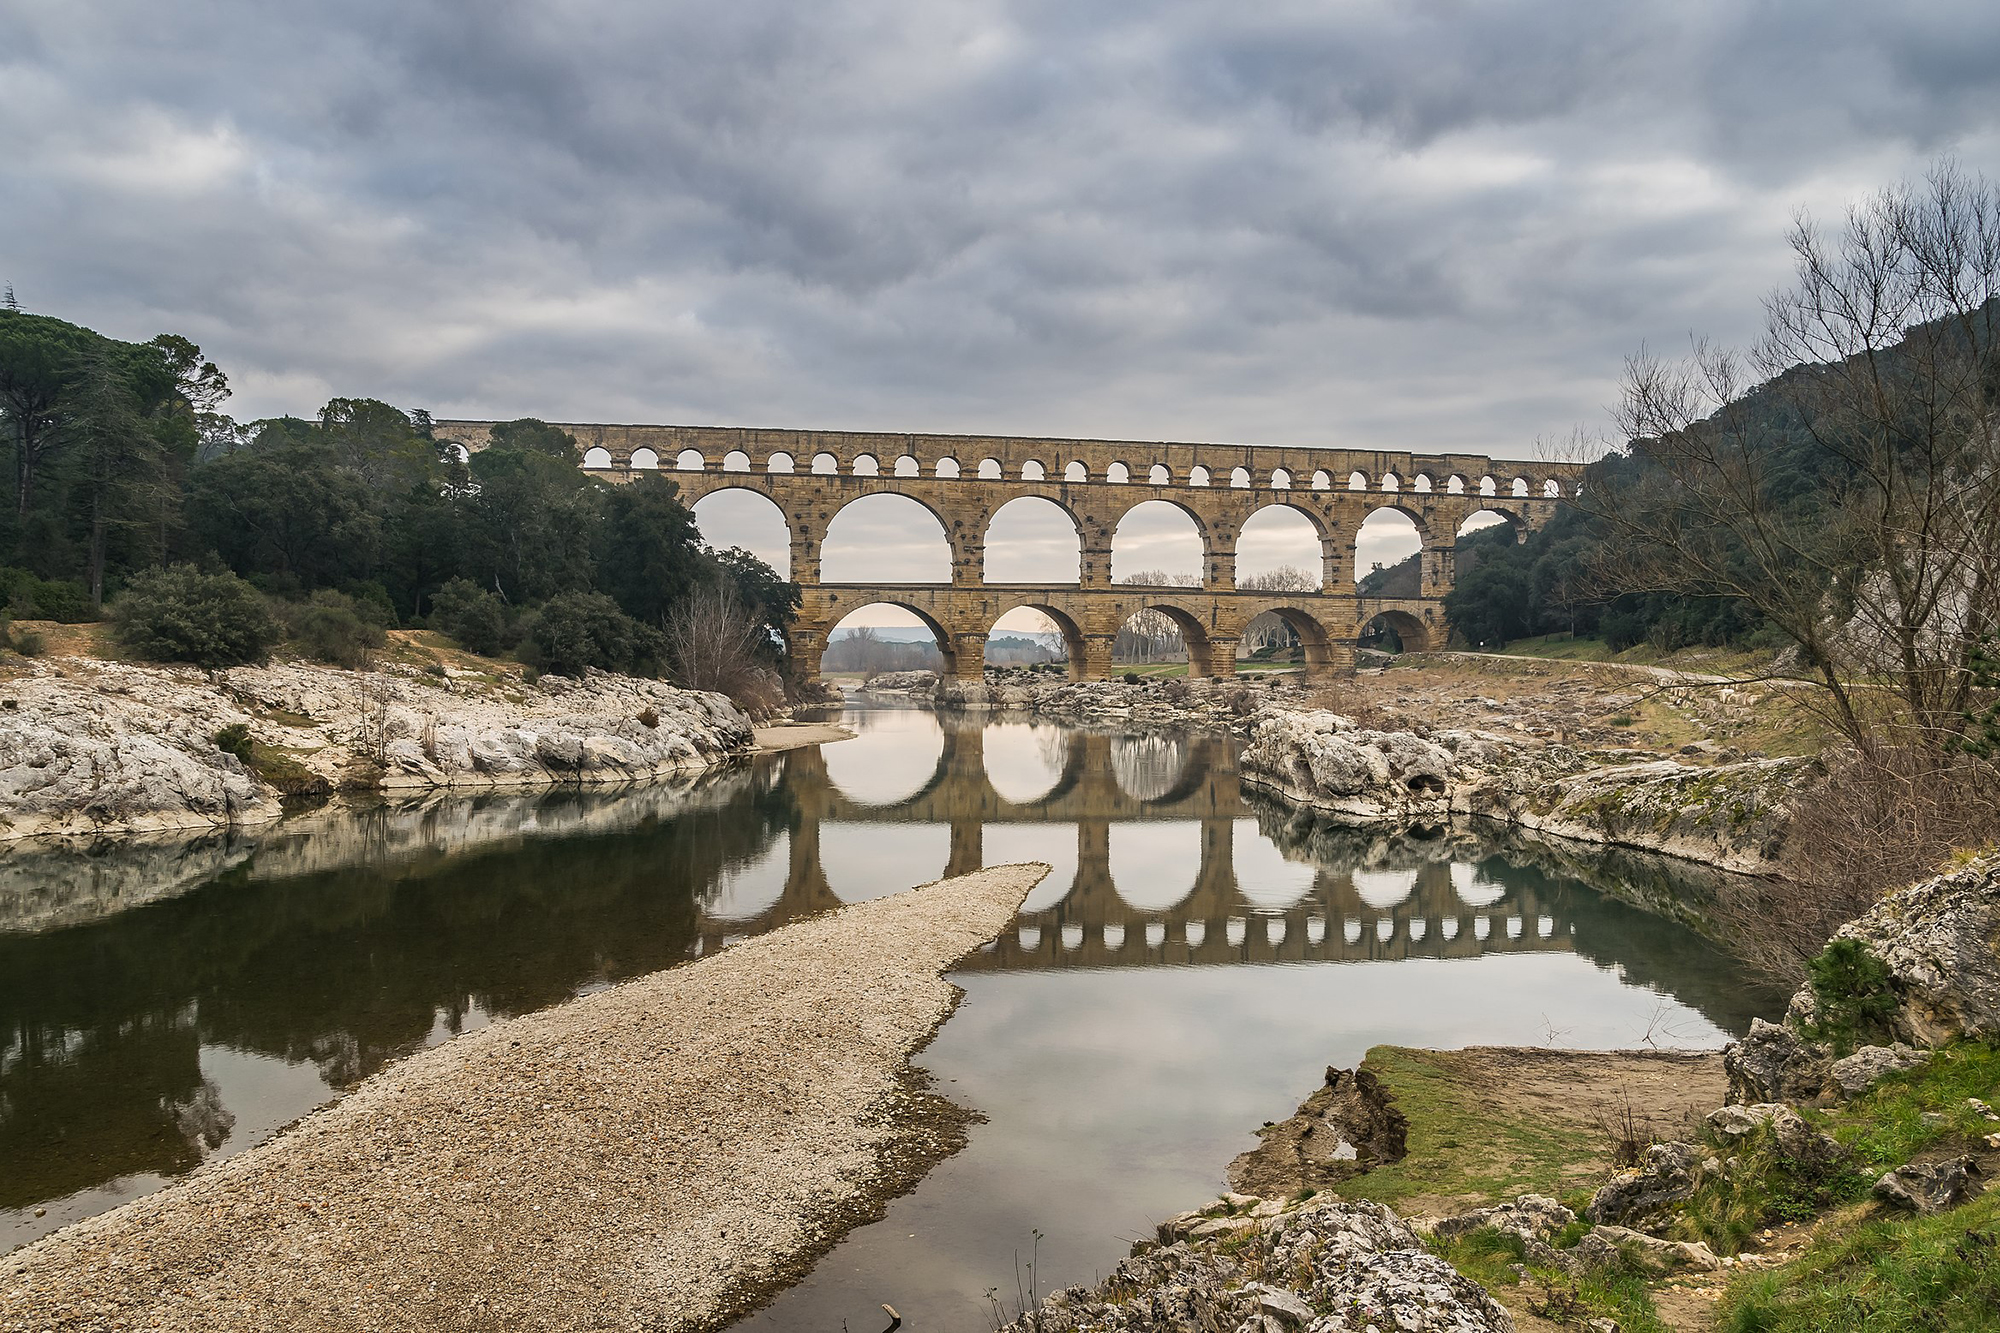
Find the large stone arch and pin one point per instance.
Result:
(780, 557)
(1414, 633)
(1313, 636)
(1066, 624)
(946, 640)
(1314, 562)
(875, 496)
(1194, 634)
(1032, 502)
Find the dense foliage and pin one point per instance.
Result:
(353, 522)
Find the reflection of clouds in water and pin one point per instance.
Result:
(1154, 865)
(1023, 762)
(1148, 767)
(1384, 888)
(748, 889)
(1473, 888)
(1003, 844)
(864, 861)
(1264, 877)
(895, 753)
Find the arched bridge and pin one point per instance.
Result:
(964, 480)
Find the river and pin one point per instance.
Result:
(1197, 957)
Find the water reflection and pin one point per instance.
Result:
(265, 971)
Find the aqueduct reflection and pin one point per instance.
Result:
(1157, 858)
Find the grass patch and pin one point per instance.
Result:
(1885, 1126)
(1487, 1257)
(1904, 1274)
(1462, 1150)
(275, 765)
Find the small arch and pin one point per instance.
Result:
(1197, 476)
(1239, 478)
(866, 466)
(1391, 482)
(1519, 486)
(1552, 489)
(736, 461)
(1421, 484)
(1321, 481)
(1032, 470)
(690, 460)
(1395, 632)
(1118, 474)
(1357, 481)
(779, 462)
(946, 468)
(825, 465)
(1486, 486)
(1158, 475)
(1075, 471)
(989, 469)
(1032, 539)
(646, 459)
(1454, 484)
(1281, 480)
(906, 466)
(597, 456)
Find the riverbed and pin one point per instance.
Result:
(1195, 960)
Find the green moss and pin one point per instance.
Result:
(1489, 1257)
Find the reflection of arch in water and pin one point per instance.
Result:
(892, 770)
(1149, 767)
(1264, 877)
(1473, 887)
(1056, 844)
(746, 890)
(1154, 865)
(1025, 761)
(1383, 889)
(864, 861)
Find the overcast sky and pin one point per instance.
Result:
(1399, 224)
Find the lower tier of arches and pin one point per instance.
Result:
(1211, 624)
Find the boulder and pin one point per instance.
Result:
(1940, 940)
(1774, 1064)
(1531, 1217)
(1643, 1195)
(1612, 1247)
(1930, 1187)
(1857, 1073)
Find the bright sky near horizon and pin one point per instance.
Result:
(1424, 225)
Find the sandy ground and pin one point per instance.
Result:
(658, 1155)
(793, 735)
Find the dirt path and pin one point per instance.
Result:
(657, 1155)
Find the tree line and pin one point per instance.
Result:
(131, 487)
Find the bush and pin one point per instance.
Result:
(278, 769)
(1131, 678)
(475, 618)
(586, 629)
(1853, 998)
(30, 643)
(331, 627)
(179, 614)
(714, 642)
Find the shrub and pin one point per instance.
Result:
(179, 614)
(1853, 998)
(586, 629)
(1131, 678)
(713, 642)
(30, 643)
(331, 627)
(31, 598)
(235, 739)
(275, 767)
(474, 617)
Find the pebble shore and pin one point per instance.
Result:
(659, 1155)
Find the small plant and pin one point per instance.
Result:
(235, 739)
(1623, 720)
(30, 643)
(1131, 678)
(1854, 996)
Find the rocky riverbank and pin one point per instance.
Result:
(94, 747)
(658, 1155)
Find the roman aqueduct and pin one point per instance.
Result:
(964, 480)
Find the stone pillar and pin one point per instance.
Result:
(1436, 571)
(805, 553)
(1095, 571)
(969, 653)
(1336, 563)
(966, 847)
(805, 645)
(1222, 654)
(1096, 664)
(968, 563)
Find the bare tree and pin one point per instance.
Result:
(714, 642)
(1854, 497)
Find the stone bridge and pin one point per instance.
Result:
(964, 480)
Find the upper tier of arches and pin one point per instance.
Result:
(1071, 462)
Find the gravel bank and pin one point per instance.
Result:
(658, 1155)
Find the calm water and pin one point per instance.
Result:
(1195, 960)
